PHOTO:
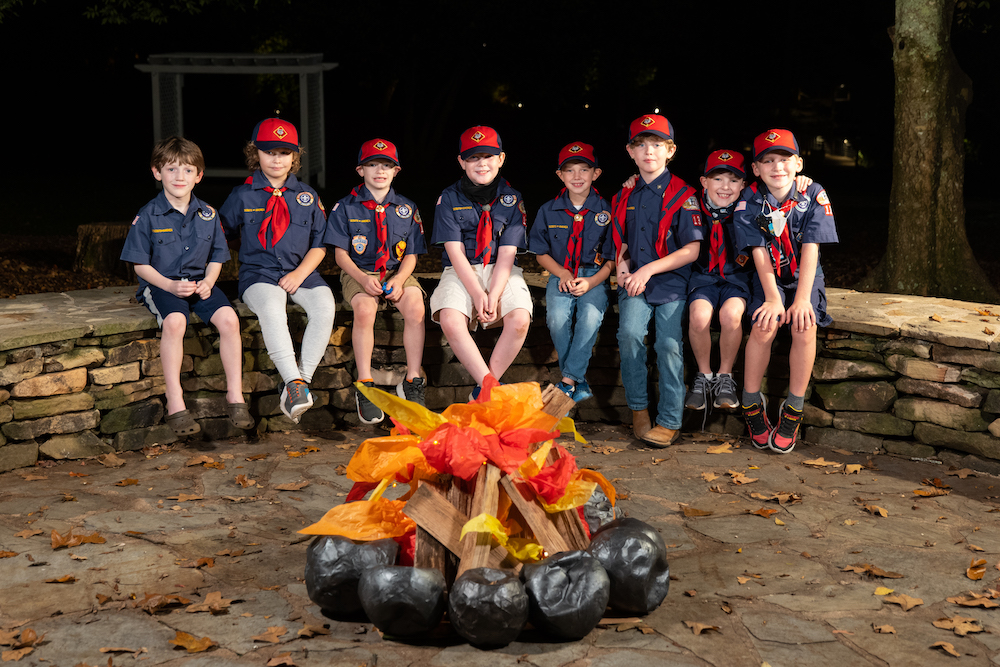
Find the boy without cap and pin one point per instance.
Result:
(480, 221)
(377, 235)
(177, 248)
(783, 228)
(568, 238)
(656, 235)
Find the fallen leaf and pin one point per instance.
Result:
(14, 656)
(698, 628)
(988, 331)
(691, 511)
(213, 603)
(184, 497)
(903, 600)
(201, 562)
(781, 497)
(959, 624)
(70, 539)
(67, 579)
(257, 457)
(709, 476)
(33, 478)
(75, 557)
(875, 509)
(822, 463)
(119, 649)
(973, 600)
(973, 547)
(724, 448)
(272, 635)
(963, 473)
(215, 465)
(868, 568)
(740, 478)
(766, 513)
(947, 648)
(313, 630)
(853, 468)
(127, 482)
(930, 493)
(191, 643)
(78, 474)
(295, 455)
(198, 460)
(606, 450)
(243, 481)
(28, 532)
(882, 590)
(7, 554)
(311, 449)
(283, 659)
(779, 522)
(155, 601)
(976, 569)
(884, 629)
(850, 522)
(936, 318)
(291, 486)
(111, 461)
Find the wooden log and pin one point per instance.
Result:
(428, 552)
(556, 403)
(539, 521)
(476, 547)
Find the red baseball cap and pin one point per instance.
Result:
(725, 159)
(378, 148)
(774, 140)
(272, 133)
(651, 124)
(479, 139)
(577, 151)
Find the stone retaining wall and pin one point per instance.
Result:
(80, 376)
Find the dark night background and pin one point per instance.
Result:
(418, 73)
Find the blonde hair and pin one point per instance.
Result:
(253, 160)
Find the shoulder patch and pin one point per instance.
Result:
(136, 220)
(416, 218)
(696, 219)
(438, 201)
(602, 218)
(304, 198)
(691, 204)
(822, 199)
(403, 211)
(520, 207)
(508, 200)
(207, 213)
(335, 206)
(741, 205)
(742, 259)
(319, 202)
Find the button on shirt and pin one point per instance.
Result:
(456, 218)
(642, 220)
(352, 227)
(732, 272)
(809, 221)
(243, 213)
(554, 224)
(176, 244)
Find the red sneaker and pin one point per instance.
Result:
(755, 415)
(782, 438)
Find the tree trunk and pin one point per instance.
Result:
(928, 252)
(98, 247)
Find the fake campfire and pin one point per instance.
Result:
(495, 527)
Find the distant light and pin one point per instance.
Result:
(846, 142)
(484, 45)
(656, 110)
(519, 105)
(586, 106)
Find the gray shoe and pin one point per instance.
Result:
(700, 389)
(368, 412)
(724, 388)
(412, 391)
(295, 399)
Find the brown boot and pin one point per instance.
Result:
(640, 423)
(661, 436)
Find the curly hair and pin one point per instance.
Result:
(253, 160)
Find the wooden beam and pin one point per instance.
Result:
(556, 403)
(428, 552)
(539, 521)
(476, 547)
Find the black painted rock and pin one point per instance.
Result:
(598, 510)
(403, 601)
(635, 558)
(334, 564)
(488, 607)
(568, 593)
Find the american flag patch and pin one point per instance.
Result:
(742, 206)
(438, 201)
(335, 207)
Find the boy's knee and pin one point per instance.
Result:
(668, 345)
(226, 320)
(175, 324)
(520, 320)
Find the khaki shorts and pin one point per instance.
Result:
(451, 293)
(350, 287)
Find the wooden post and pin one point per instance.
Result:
(476, 547)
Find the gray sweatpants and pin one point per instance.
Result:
(268, 303)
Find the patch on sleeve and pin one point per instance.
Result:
(416, 218)
(742, 205)
(696, 219)
(439, 201)
(524, 215)
(335, 207)
(319, 202)
(691, 204)
(136, 220)
(207, 213)
(823, 200)
(742, 259)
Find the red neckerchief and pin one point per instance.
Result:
(275, 215)
(484, 233)
(574, 246)
(784, 240)
(676, 193)
(382, 256)
(717, 246)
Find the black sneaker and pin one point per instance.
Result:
(295, 399)
(782, 438)
(724, 388)
(412, 391)
(755, 415)
(700, 389)
(368, 412)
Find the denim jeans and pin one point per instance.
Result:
(574, 343)
(634, 314)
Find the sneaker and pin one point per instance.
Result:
(412, 391)
(782, 437)
(567, 389)
(760, 428)
(295, 399)
(724, 388)
(700, 388)
(474, 394)
(368, 412)
(582, 392)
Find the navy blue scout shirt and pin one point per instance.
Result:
(176, 245)
(642, 219)
(352, 227)
(732, 272)
(554, 225)
(456, 218)
(809, 221)
(245, 208)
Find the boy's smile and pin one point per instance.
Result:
(651, 156)
(578, 177)
(178, 181)
(722, 187)
(378, 174)
(276, 164)
(778, 169)
(482, 168)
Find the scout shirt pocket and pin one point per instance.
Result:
(164, 236)
(398, 242)
(468, 223)
(362, 236)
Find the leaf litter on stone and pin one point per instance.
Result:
(960, 625)
(272, 634)
(191, 643)
(903, 600)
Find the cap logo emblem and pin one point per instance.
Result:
(772, 137)
(725, 157)
(575, 148)
(280, 132)
(478, 136)
(380, 146)
(647, 121)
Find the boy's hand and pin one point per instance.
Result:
(801, 316)
(580, 286)
(290, 281)
(621, 273)
(481, 304)
(204, 288)
(635, 283)
(492, 306)
(182, 288)
(802, 183)
(393, 289)
(630, 183)
(372, 285)
(769, 315)
(565, 282)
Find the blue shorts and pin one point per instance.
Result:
(718, 293)
(787, 294)
(162, 303)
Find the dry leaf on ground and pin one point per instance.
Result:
(930, 493)
(868, 568)
(313, 630)
(184, 497)
(882, 590)
(698, 628)
(853, 468)
(111, 461)
(973, 600)
(201, 562)
(903, 600)
(876, 510)
(724, 448)
(71, 539)
(821, 463)
(283, 659)
(127, 482)
(29, 532)
(15, 655)
(191, 643)
(947, 647)
(963, 473)
(959, 624)
(782, 497)
(883, 629)
(198, 460)
(692, 511)
(67, 579)
(272, 635)
(245, 481)
(740, 478)
(976, 569)
(766, 513)
(709, 476)
(154, 601)
(291, 486)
